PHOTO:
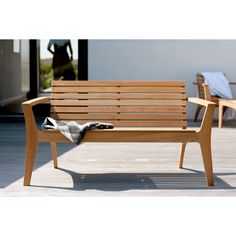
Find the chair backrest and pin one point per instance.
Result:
(204, 91)
(200, 82)
(122, 103)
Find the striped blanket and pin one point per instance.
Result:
(73, 130)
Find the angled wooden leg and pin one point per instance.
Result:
(54, 154)
(207, 160)
(205, 142)
(181, 156)
(221, 113)
(31, 149)
(198, 109)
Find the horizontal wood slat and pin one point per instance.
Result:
(118, 109)
(164, 96)
(139, 123)
(118, 102)
(117, 89)
(123, 116)
(125, 135)
(173, 83)
(140, 136)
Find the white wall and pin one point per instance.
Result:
(161, 60)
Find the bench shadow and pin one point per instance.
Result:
(141, 181)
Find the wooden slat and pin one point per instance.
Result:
(123, 116)
(140, 123)
(140, 136)
(125, 135)
(149, 123)
(117, 83)
(118, 89)
(163, 96)
(118, 102)
(118, 109)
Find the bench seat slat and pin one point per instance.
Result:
(136, 123)
(123, 116)
(125, 135)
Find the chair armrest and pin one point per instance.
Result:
(200, 101)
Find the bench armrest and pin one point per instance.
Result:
(36, 101)
(30, 124)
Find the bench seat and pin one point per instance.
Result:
(126, 135)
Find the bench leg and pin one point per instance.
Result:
(198, 109)
(54, 154)
(181, 156)
(31, 149)
(207, 160)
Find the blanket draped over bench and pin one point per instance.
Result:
(73, 130)
(141, 111)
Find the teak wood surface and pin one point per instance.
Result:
(141, 111)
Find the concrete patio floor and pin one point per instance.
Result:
(117, 169)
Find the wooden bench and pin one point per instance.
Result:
(141, 111)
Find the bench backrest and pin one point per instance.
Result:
(122, 103)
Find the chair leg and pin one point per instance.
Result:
(181, 156)
(31, 149)
(54, 154)
(222, 110)
(205, 145)
(198, 109)
(221, 114)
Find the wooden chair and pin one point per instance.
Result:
(141, 111)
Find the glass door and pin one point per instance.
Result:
(58, 61)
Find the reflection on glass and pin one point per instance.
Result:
(58, 60)
(25, 66)
(16, 45)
